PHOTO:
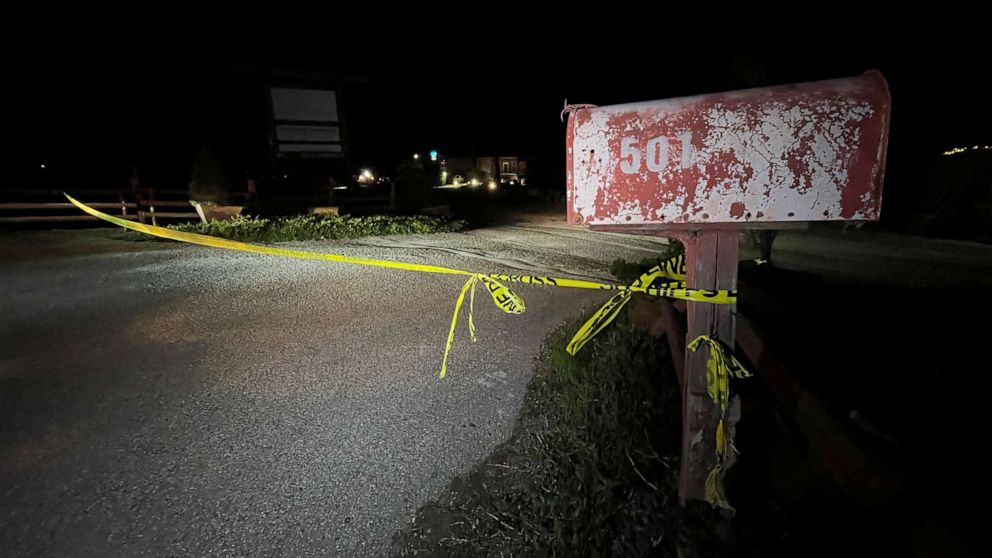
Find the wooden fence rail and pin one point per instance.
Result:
(141, 204)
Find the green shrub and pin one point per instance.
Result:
(311, 227)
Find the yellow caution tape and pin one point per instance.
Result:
(214, 242)
(454, 322)
(713, 489)
(599, 320)
(673, 269)
(505, 299)
(720, 367)
(721, 439)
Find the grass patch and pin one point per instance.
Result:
(311, 227)
(591, 469)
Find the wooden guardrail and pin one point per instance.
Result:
(49, 206)
(152, 201)
(146, 205)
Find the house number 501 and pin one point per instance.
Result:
(655, 153)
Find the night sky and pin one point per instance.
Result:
(91, 113)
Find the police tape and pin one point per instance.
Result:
(504, 299)
(720, 367)
(673, 270)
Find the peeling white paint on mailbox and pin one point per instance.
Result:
(804, 152)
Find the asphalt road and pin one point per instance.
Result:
(159, 399)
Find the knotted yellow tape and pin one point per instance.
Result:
(673, 269)
(720, 367)
(505, 299)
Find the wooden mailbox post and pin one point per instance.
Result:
(703, 168)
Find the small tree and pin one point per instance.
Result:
(414, 184)
(209, 183)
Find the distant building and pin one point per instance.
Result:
(505, 170)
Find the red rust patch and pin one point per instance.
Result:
(737, 210)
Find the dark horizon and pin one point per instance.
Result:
(97, 115)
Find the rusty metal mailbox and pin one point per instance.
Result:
(700, 169)
(804, 152)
